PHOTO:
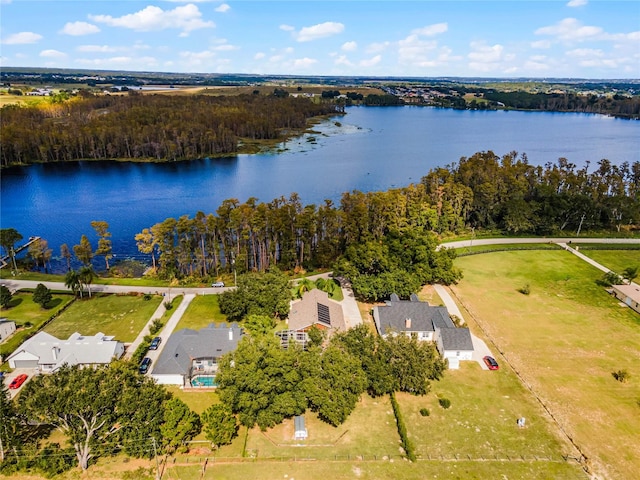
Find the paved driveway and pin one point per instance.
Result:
(8, 377)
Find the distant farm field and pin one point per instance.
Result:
(565, 339)
(122, 316)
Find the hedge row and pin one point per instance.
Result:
(402, 430)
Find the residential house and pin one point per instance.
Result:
(7, 327)
(190, 357)
(314, 309)
(48, 353)
(628, 294)
(424, 322)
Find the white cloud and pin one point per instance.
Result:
(186, 18)
(122, 62)
(349, 46)
(22, 38)
(304, 62)
(79, 28)
(541, 44)
(225, 47)
(488, 58)
(287, 28)
(320, 30)
(222, 8)
(259, 56)
(96, 48)
(52, 54)
(431, 30)
(576, 3)
(570, 29)
(378, 47)
(371, 62)
(585, 52)
(342, 60)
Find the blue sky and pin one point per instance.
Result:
(545, 38)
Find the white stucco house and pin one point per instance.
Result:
(7, 327)
(48, 353)
(628, 294)
(425, 323)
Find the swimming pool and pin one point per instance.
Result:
(204, 381)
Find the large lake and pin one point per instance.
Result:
(370, 149)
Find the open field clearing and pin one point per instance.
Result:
(203, 310)
(565, 339)
(29, 316)
(122, 316)
(616, 260)
(481, 422)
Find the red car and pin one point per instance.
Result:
(18, 381)
(491, 363)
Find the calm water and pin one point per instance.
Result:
(373, 149)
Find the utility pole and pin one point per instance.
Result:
(155, 454)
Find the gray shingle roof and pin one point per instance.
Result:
(456, 339)
(424, 318)
(186, 345)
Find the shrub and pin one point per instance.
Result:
(444, 402)
(146, 296)
(526, 290)
(424, 412)
(402, 430)
(621, 375)
(156, 326)
(168, 305)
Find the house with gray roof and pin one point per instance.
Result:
(190, 357)
(48, 353)
(425, 323)
(7, 327)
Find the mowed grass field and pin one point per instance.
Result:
(122, 316)
(616, 261)
(565, 339)
(203, 310)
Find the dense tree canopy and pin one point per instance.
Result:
(147, 126)
(265, 294)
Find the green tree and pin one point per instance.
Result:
(630, 274)
(260, 382)
(146, 244)
(257, 294)
(8, 238)
(66, 254)
(5, 296)
(220, 424)
(86, 276)
(259, 324)
(83, 250)
(333, 382)
(39, 251)
(179, 425)
(9, 423)
(72, 282)
(104, 243)
(303, 286)
(414, 364)
(97, 408)
(42, 295)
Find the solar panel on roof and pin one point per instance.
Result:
(323, 314)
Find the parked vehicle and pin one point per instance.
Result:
(217, 284)
(155, 343)
(491, 363)
(144, 365)
(18, 381)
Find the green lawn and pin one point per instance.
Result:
(481, 422)
(29, 317)
(203, 310)
(565, 339)
(122, 316)
(615, 260)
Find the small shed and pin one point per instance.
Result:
(7, 327)
(300, 428)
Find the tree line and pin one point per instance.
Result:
(136, 126)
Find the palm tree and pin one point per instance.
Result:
(304, 286)
(630, 273)
(86, 276)
(330, 286)
(72, 281)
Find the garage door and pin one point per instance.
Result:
(26, 363)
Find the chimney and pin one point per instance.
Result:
(55, 351)
(407, 323)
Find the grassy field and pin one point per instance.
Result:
(122, 316)
(564, 339)
(616, 260)
(203, 310)
(29, 316)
